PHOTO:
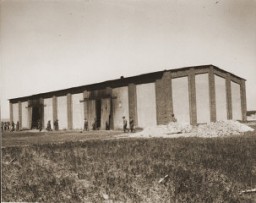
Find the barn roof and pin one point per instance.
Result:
(122, 81)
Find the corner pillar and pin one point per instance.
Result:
(20, 114)
(11, 112)
(243, 100)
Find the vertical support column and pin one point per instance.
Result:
(229, 97)
(85, 99)
(212, 95)
(69, 111)
(243, 100)
(54, 108)
(42, 111)
(29, 114)
(20, 114)
(111, 118)
(192, 96)
(164, 102)
(132, 95)
(11, 112)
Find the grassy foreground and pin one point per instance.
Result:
(129, 170)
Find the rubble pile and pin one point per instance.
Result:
(177, 129)
(221, 128)
(170, 130)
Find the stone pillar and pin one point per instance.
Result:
(69, 111)
(229, 97)
(11, 112)
(85, 100)
(132, 95)
(42, 111)
(29, 115)
(243, 100)
(54, 108)
(111, 121)
(164, 102)
(212, 95)
(192, 96)
(20, 114)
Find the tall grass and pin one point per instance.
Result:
(199, 170)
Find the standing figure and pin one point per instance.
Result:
(124, 124)
(39, 125)
(94, 124)
(56, 125)
(12, 126)
(131, 124)
(49, 127)
(18, 126)
(85, 124)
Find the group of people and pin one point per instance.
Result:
(55, 124)
(95, 125)
(10, 126)
(125, 124)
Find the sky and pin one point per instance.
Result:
(48, 45)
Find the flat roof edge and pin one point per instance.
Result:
(125, 80)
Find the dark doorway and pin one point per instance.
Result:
(36, 116)
(98, 113)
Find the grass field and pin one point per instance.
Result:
(127, 170)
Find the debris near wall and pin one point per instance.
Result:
(173, 129)
(222, 128)
(176, 129)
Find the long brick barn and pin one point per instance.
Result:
(197, 94)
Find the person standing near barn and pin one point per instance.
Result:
(85, 124)
(94, 124)
(124, 124)
(39, 125)
(18, 126)
(49, 127)
(12, 126)
(56, 125)
(131, 125)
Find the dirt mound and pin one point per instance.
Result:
(222, 128)
(216, 129)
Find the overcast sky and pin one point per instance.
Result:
(49, 45)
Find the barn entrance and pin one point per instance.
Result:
(37, 113)
(102, 107)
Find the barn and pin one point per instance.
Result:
(198, 94)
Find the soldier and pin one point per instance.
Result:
(124, 124)
(85, 124)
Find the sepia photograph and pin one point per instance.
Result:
(128, 101)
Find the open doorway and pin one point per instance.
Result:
(37, 112)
